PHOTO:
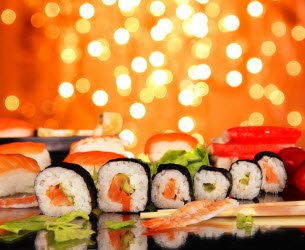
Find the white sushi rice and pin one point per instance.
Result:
(16, 181)
(182, 189)
(278, 169)
(174, 241)
(138, 181)
(43, 159)
(73, 185)
(220, 182)
(160, 148)
(241, 191)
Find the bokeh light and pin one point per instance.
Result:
(95, 48)
(268, 48)
(234, 78)
(128, 136)
(298, 33)
(157, 59)
(139, 64)
(52, 9)
(82, 85)
(121, 36)
(254, 65)
(256, 118)
(157, 8)
(137, 110)
(294, 118)
(255, 8)
(83, 26)
(293, 68)
(66, 89)
(68, 55)
(256, 91)
(234, 50)
(100, 98)
(12, 103)
(123, 81)
(8, 16)
(186, 124)
(279, 29)
(86, 10)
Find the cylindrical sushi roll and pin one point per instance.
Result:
(105, 143)
(171, 186)
(34, 150)
(212, 183)
(124, 238)
(123, 186)
(247, 179)
(172, 239)
(12, 128)
(17, 176)
(65, 188)
(274, 172)
(159, 144)
(92, 161)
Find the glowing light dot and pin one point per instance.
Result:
(160, 91)
(86, 10)
(8, 16)
(293, 68)
(231, 22)
(256, 91)
(202, 49)
(184, 11)
(203, 1)
(123, 81)
(127, 135)
(83, 26)
(28, 109)
(159, 77)
(269, 89)
(277, 97)
(38, 20)
(234, 78)
(199, 137)
(212, 9)
(95, 48)
(256, 118)
(254, 65)
(234, 50)
(186, 124)
(121, 69)
(12, 102)
(298, 33)
(278, 29)
(68, 55)
(294, 118)
(201, 89)
(255, 8)
(128, 5)
(66, 89)
(121, 36)
(139, 64)
(157, 59)
(186, 97)
(268, 48)
(137, 110)
(157, 8)
(100, 98)
(132, 24)
(52, 9)
(147, 95)
(82, 85)
(109, 2)
(198, 24)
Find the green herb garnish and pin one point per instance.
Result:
(245, 222)
(245, 180)
(208, 187)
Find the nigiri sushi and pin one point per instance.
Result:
(34, 150)
(17, 176)
(92, 161)
(105, 144)
(11, 127)
(157, 145)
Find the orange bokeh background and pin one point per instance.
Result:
(219, 63)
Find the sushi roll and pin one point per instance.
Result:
(34, 150)
(105, 143)
(172, 239)
(92, 161)
(123, 186)
(171, 186)
(212, 183)
(17, 176)
(125, 238)
(274, 172)
(247, 179)
(159, 144)
(65, 188)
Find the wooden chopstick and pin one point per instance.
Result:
(289, 208)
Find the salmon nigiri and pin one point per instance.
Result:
(12, 127)
(34, 150)
(157, 145)
(17, 176)
(92, 160)
(191, 213)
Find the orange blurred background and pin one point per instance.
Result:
(193, 66)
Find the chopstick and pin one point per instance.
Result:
(287, 208)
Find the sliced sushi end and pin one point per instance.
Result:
(19, 201)
(120, 191)
(58, 197)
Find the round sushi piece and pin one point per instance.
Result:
(212, 183)
(274, 172)
(65, 188)
(125, 238)
(123, 185)
(172, 239)
(171, 186)
(247, 179)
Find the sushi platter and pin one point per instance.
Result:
(83, 191)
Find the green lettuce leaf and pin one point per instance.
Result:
(66, 234)
(72, 216)
(119, 224)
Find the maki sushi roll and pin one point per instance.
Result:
(274, 172)
(171, 186)
(212, 183)
(247, 179)
(123, 185)
(171, 239)
(65, 188)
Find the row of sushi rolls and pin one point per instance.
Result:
(247, 164)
